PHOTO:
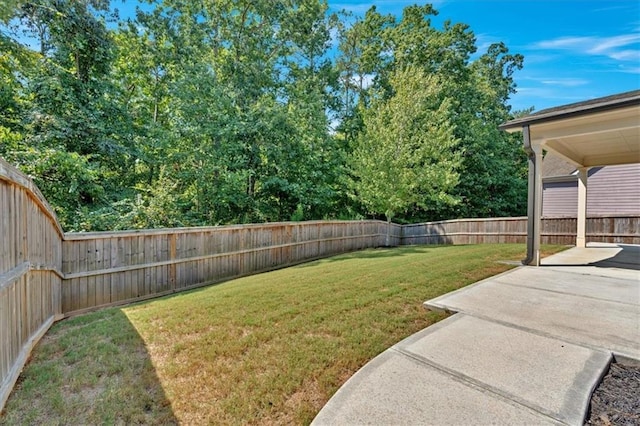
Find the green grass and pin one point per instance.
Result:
(268, 349)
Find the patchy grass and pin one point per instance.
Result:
(91, 369)
(268, 349)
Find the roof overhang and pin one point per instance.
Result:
(599, 132)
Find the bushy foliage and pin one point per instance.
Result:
(217, 112)
(405, 157)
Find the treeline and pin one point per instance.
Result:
(216, 112)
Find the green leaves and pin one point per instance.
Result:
(405, 157)
(215, 111)
(475, 89)
(69, 180)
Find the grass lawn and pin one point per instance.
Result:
(268, 349)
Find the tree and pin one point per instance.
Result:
(405, 156)
(476, 89)
(8, 9)
(216, 111)
(494, 164)
(362, 61)
(71, 126)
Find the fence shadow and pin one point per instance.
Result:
(434, 233)
(376, 253)
(90, 369)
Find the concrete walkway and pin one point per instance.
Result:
(524, 347)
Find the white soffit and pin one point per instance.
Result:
(599, 139)
(599, 132)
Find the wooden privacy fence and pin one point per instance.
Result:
(46, 275)
(106, 268)
(30, 272)
(555, 230)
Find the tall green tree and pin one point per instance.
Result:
(405, 157)
(495, 167)
(71, 127)
(230, 103)
(477, 87)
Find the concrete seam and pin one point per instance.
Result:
(534, 331)
(482, 386)
(469, 286)
(564, 293)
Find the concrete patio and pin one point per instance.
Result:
(524, 347)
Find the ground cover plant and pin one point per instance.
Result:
(266, 349)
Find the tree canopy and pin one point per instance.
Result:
(218, 112)
(405, 156)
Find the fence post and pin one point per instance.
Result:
(172, 266)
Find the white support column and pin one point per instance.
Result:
(537, 212)
(581, 236)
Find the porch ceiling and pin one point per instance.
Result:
(600, 132)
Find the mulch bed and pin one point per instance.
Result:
(616, 401)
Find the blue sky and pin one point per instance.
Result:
(574, 49)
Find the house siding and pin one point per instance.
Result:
(560, 199)
(612, 190)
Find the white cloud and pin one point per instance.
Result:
(546, 93)
(545, 97)
(484, 41)
(563, 43)
(557, 81)
(622, 48)
(604, 45)
(566, 82)
(605, 9)
(630, 70)
(626, 55)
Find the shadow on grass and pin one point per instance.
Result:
(91, 369)
(377, 253)
(419, 238)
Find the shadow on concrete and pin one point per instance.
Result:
(600, 255)
(627, 258)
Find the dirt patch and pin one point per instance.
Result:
(616, 401)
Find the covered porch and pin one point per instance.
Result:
(598, 132)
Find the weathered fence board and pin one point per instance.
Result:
(102, 269)
(30, 272)
(624, 230)
(107, 268)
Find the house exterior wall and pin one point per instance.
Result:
(560, 199)
(612, 190)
